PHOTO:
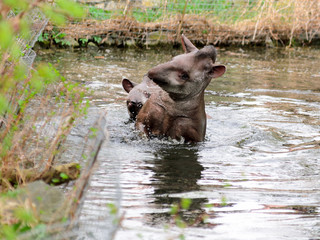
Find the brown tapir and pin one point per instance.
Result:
(178, 112)
(138, 94)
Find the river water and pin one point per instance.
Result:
(256, 175)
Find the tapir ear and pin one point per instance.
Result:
(218, 70)
(128, 85)
(187, 45)
(207, 52)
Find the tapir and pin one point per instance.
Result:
(138, 94)
(178, 112)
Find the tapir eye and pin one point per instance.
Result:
(139, 105)
(185, 76)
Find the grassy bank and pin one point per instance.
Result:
(38, 109)
(221, 22)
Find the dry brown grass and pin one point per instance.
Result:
(35, 134)
(283, 21)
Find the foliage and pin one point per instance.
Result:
(59, 38)
(177, 211)
(183, 215)
(17, 216)
(239, 22)
(224, 10)
(146, 15)
(31, 101)
(98, 13)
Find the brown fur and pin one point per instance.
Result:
(178, 112)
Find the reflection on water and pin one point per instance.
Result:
(176, 170)
(256, 176)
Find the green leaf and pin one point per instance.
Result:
(209, 205)
(224, 201)
(55, 180)
(94, 132)
(57, 18)
(7, 142)
(20, 72)
(71, 8)
(64, 176)
(113, 208)
(185, 203)
(6, 35)
(24, 215)
(25, 28)
(8, 232)
(182, 237)
(47, 73)
(174, 209)
(64, 220)
(43, 37)
(24, 229)
(3, 104)
(36, 82)
(15, 51)
(12, 194)
(180, 223)
(20, 4)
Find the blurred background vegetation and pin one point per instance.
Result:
(224, 22)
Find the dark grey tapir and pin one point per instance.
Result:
(178, 112)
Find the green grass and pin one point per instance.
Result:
(147, 15)
(99, 14)
(221, 10)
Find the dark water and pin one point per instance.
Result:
(256, 176)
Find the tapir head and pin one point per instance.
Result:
(138, 95)
(187, 75)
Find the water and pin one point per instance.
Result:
(257, 174)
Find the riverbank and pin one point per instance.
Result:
(263, 23)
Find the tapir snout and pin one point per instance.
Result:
(138, 94)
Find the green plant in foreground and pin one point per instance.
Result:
(175, 211)
(29, 102)
(18, 217)
(224, 201)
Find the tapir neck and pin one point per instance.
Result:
(191, 108)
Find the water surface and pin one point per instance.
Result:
(257, 174)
